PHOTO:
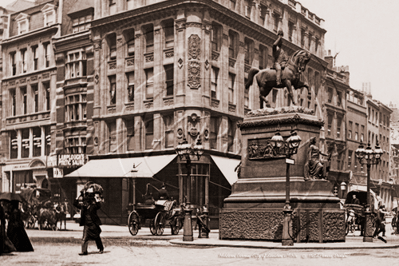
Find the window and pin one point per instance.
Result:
(13, 144)
(214, 127)
(48, 14)
(169, 79)
(302, 37)
(230, 137)
(129, 39)
(75, 66)
(232, 78)
(75, 107)
(75, 145)
(248, 51)
(356, 131)
(246, 97)
(112, 136)
(232, 4)
(112, 89)
(247, 8)
(35, 94)
(169, 32)
(329, 125)
(169, 130)
(350, 125)
(46, 47)
(130, 86)
(362, 134)
(81, 23)
(262, 57)
(316, 44)
(13, 102)
(24, 100)
(35, 57)
(216, 37)
(233, 44)
(330, 95)
(149, 131)
(130, 133)
(23, 27)
(13, 64)
(339, 98)
(25, 143)
(214, 82)
(111, 39)
(112, 7)
(24, 64)
(290, 30)
(149, 92)
(46, 88)
(350, 153)
(262, 14)
(37, 141)
(276, 21)
(339, 125)
(149, 38)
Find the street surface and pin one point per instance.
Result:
(166, 254)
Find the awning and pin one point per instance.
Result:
(145, 167)
(227, 166)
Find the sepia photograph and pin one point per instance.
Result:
(199, 132)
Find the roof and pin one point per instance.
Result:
(81, 5)
(19, 5)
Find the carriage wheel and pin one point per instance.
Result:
(133, 223)
(175, 225)
(159, 223)
(152, 228)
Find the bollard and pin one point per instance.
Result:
(187, 227)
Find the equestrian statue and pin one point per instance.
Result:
(286, 72)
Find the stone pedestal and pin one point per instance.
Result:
(254, 210)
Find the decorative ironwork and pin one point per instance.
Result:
(130, 61)
(149, 57)
(112, 64)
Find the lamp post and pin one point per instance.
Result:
(188, 152)
(369, 157)
(287, 148)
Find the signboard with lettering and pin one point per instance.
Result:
(58, 172)
(70, 160)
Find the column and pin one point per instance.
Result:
(139, 74)
(19, 138)
(30, 142)
(159, 84)
(43, 141)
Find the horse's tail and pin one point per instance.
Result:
(251, 74)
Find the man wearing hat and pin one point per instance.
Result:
(380, 223)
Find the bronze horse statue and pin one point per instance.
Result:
(290, 76)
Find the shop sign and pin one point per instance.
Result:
(58, 172)
(71, 160)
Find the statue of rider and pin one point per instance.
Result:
(280, 57)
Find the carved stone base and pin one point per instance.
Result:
(308, 225)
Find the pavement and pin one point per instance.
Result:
(114, 233)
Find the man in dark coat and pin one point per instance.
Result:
(89, 204)
(355, 200)
(163, 193)
(380, 223)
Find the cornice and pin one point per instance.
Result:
(25, 75)
(72, 41)
(31, 34)
(337, 109)
(296, 119)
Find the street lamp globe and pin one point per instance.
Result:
(360, 152)
(293, 142)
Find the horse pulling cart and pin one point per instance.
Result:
(160, 213)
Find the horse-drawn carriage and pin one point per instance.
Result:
(355, 213)
(38, 207)
(159, 213)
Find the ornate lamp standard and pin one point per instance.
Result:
(370, 157)
(287, 148)
(189, 152)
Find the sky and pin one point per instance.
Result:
(364, 34)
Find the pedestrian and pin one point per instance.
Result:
(355, 200)
(89, 203)
(16, 231)
(163, 193)
(380, 223)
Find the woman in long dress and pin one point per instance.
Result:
(16, 231)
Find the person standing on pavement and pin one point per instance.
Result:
(16, 231)
(380, 223)
(89, 203)
(163, 193)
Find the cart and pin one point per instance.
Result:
(160, 213)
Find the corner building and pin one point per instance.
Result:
(168, 70)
